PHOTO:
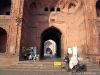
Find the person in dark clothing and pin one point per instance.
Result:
(25, 56)
(51, 53)
(67, 61)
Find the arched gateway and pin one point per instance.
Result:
(29, 23)
(53, 34)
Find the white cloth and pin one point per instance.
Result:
(73, 62)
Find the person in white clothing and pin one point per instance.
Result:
(73, 62)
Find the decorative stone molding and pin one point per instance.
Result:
(4, 22)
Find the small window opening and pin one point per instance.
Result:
(52, 9)
(46, 9)
(58, 9)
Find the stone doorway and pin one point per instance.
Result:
(55, 35)
(3, 40)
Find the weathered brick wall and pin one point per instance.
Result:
(15, 26)
(13, 29)
(92, 33)
(90, 16)
(26, 21)
(77, 32)
(78, 27)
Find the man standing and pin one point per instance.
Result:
(67, 61)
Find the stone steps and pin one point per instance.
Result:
(47, 67)
(50, 63)
(37, 68)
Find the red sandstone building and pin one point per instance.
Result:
(30, 23)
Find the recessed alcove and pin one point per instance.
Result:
(5, 7)
(98, 8)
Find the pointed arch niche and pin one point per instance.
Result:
(3, 40)
(55, 35)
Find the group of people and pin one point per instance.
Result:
(71, 63)
(31, 55)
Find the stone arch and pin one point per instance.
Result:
(5, 7)
(54, 34)
(3, 40)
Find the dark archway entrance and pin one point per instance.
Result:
(3, 40)
(98, 8)
(53, 34)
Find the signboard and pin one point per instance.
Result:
(57, 63)
(70, 50)
(75, 51)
